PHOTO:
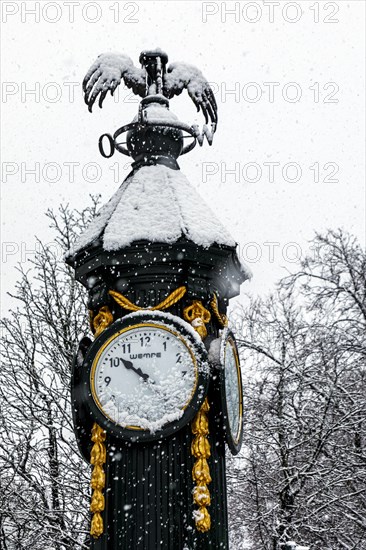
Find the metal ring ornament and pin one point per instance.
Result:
(191, 131)
(181, 330)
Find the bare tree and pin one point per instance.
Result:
(304, 457)
(44, 485)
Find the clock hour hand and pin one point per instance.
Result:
(130, 366)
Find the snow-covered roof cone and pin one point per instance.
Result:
(156, 204)
(155, 208)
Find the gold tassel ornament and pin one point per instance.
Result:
(198, 316)
(101, 320)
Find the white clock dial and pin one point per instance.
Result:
(233, 390)
(144, 377)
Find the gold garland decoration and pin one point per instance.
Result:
(98, 454)
(221, 317)
(172, 299)
(98, 457)
(200, 449)
(199, 316)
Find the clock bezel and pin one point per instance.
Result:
(234, 441)
(178, 328)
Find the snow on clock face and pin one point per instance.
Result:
(145, 376)
(232, 392)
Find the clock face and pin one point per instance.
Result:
(145, 375)
(232, 392)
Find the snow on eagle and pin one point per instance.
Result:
(109, 69)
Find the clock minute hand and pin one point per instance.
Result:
(130, 366)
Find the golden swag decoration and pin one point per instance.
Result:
(172, 299)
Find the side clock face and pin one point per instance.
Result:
(146, 376)
(231, 390)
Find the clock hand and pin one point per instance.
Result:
(138, 371)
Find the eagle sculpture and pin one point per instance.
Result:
(109, 69)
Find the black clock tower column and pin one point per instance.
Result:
(156, 247)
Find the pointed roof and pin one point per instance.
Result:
(157, 204)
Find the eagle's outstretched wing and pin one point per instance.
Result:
(180, 76)
(106, 74)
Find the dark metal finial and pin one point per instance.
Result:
(154, 62)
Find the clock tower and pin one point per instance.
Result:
(157, 394)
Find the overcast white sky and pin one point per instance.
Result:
(296, 70)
